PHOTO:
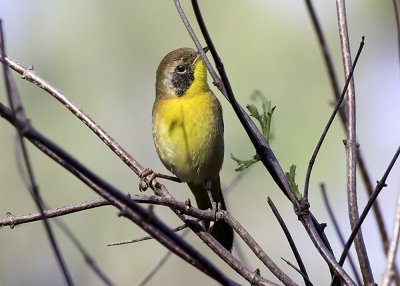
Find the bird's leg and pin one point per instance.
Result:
(145, 183)
(214, 205)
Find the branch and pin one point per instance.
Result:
(379, 186)
(388, 275)
(328, 125)
(351, 146)
(13, 220)
(338, 231)
(29, 75)
(18, 112)
(300, 263)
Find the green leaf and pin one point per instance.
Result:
(243, 164)
(291, 176)
(265, 117)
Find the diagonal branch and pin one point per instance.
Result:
(296, 253)
(380, 185)
(328, 125)
(391, 255)
(338, 231)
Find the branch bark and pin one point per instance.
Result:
(351, 146)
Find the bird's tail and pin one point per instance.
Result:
(220, 230)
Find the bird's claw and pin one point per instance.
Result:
(145, 183)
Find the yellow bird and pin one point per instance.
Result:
(188, 131)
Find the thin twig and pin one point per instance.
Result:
(146, 278)
(255, 247)
(289, 238)
(16, 107)
(13, 220)
(144, 238)
(325, 253)
(86, 256)
(332, 117)
(388, 275)
(327, 56)
(339, 232)
(298, 271)
(351, 146)
(379, 186)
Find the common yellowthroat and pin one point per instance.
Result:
(188, 131)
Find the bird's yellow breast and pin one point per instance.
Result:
(188, 134)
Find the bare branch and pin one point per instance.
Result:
(351, 146)
(338, 231)
(389, 273)
(176, 229)
(13, 220)
(299, 261)
(143, 281)
(380, 185)
(18, 112)
(328, 125)
(326, 253)
(308, 282)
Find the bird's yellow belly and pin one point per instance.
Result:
(188, 134)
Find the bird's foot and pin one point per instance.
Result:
(147, 176)
(145, 182)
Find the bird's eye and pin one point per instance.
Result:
(181, 69)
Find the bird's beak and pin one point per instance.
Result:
(206, 49)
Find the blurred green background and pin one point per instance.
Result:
(103, 56)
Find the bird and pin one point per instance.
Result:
(188, 132)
